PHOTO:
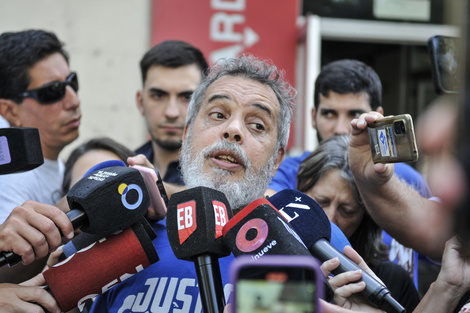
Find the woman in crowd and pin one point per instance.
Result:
(325, 176)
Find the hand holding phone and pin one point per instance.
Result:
(276, 283)
(392, 139)
(156, 190)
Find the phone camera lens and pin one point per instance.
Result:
(399, 127)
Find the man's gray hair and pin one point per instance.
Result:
(255, 69)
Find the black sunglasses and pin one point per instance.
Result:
(52, 92)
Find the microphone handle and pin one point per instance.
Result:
(76, 216)
(375, 292)
(210, 283)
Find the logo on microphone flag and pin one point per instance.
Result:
(221, 217)
(186, 219)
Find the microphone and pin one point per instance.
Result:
(311, 223)
(20, 149)
(260, 229)
(195, 219)
(83, 240)
(100, 266)
(103, 202)
(111, 199)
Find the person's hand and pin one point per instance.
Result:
(26, 298)
(455, 268)
(139, 159)
(345, 285)
(31, 230)
(360, 156)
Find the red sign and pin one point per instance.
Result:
(229, 28)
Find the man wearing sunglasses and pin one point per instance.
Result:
(37, 89)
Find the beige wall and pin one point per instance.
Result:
(105, 39)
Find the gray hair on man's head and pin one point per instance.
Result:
(255, 69)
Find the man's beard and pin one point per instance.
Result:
(239, 193)
(168, 145)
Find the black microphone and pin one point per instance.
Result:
(259, 229)
(311, 223)
(102, 265)
(103, 202)
(20, 149)
(195, 219)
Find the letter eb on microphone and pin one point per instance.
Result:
(195, 220)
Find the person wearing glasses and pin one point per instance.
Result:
(37, 89)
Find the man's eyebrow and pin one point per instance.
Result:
(263, 107)
(358, 111)
(258, 105)
(326, 110)
(215, 97)
(186, 92)
(154, 90)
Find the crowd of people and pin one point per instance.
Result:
(225, 127)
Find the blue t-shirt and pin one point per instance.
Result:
(170, 285)
(286, 178)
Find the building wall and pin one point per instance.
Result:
(106, 40)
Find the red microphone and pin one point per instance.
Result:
(100, 266)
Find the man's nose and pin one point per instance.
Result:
(172, 110)
(71, 99)
(343, 126)
(233, 131)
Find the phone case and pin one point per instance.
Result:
(392, 140)
(156, 190)
(445, 63)
(275, 262)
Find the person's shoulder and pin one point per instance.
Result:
(296, 160)
(412, 177)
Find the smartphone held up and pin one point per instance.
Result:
(392, 140)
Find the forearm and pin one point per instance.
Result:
(414, 221)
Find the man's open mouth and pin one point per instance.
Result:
(226, 158)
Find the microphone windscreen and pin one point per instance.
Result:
(100, 266)
(260, 229)
(304, 214)
(20, 149)
(195, 220)
(112, 198)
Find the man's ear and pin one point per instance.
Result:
(314, 122)
(10, 111)
(279, 157)
(380, 110)
(139, 100)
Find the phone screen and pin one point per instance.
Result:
(276, 289)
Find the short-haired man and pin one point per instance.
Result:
(37, 89)
(235, 137)
(344, 90)
(171, 71)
